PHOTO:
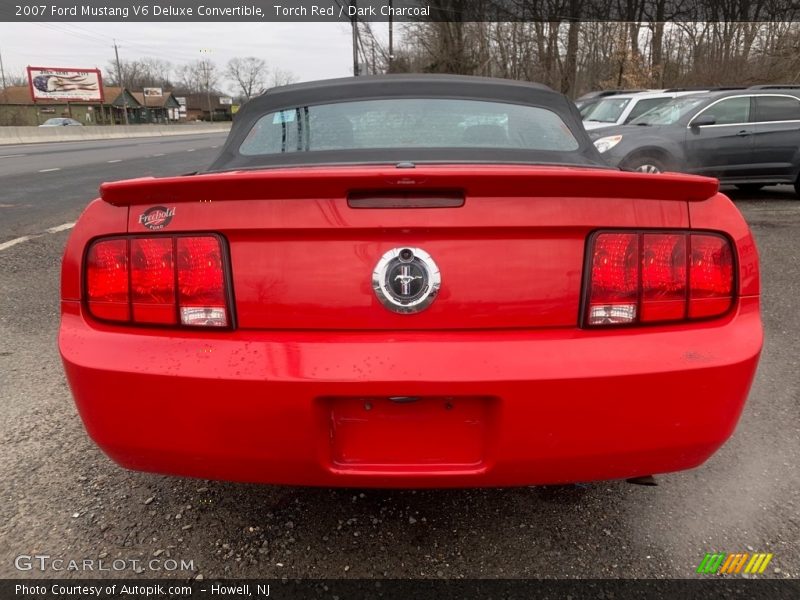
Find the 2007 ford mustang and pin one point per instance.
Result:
(409, 281)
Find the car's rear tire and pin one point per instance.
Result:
(750, 188)
(797, 185)
(645, 163)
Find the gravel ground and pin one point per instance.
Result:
(62, 497)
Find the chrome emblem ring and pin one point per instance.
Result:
(406, 280)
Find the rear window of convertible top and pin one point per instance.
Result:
(408, 123)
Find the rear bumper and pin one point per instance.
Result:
(525, 407)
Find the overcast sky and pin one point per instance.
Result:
(309, 50)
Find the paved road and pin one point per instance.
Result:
(45, 185)
(61, 496)
(58, 156)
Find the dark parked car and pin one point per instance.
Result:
(750, 138)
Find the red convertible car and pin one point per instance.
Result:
(410, 281)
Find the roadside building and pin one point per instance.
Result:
(17, 108)
(162, 108)
(199, 107)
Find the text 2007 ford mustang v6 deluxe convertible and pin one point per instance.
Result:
(410, 281)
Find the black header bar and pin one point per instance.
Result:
(398, 10)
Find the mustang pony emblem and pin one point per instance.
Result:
(406, 280)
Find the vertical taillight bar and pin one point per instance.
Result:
(153, 280)
(107, 280)
(614, 293)
(201, 282)
(710, 276)
(663, 277)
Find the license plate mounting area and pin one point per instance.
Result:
(409, 433)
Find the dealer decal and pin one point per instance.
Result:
(721, 563)
(157, 217)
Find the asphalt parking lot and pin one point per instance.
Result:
(60, 496)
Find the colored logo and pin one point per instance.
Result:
(157, 217)
(721, 563)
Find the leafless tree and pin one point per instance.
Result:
(576, 56)
(199, 76)
(16, 79)
(140, 73)
(278, 77)
(249, 75)
(158, 71)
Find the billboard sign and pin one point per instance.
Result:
(57, 83)
(153, 92)
(224, 100)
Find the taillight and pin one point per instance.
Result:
(663, 277)
(163, 280)
(614, 293)
(153, 280)
(201, 282)
(107, 280)
(710, 276)
(657, 277)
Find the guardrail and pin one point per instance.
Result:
(32, 135)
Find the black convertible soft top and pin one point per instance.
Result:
(375, 87)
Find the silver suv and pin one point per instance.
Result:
(620, 109)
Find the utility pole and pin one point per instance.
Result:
(121, 84)
(208, 93)
(206, 66)
(391, 44)
(354, 26)
(2, 72)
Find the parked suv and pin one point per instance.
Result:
(623, 108)
(749, 137)
(588, 100)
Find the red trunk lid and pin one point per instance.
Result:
(510, 255)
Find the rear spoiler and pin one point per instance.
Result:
(473, 180)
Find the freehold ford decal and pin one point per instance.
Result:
(157, 217)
